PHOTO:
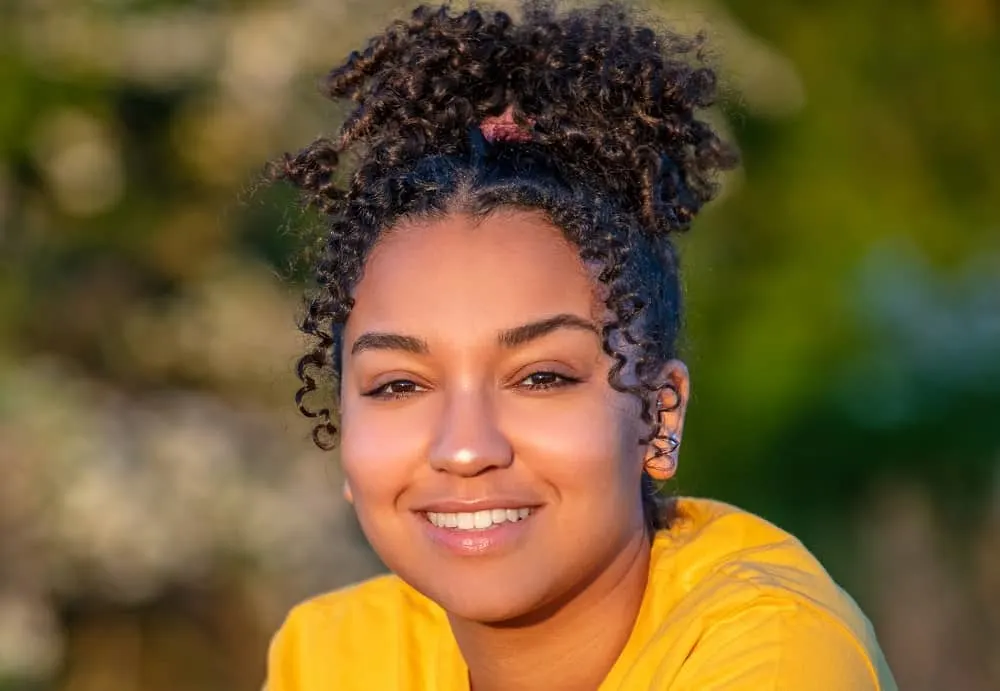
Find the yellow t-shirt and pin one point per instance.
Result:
(732, 604)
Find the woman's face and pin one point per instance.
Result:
(475, 391)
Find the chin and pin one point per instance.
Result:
(498, 605)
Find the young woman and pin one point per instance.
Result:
(498, 310)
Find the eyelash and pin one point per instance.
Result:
(560, 380)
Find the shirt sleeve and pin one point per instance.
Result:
(779, 647)
(283, 667)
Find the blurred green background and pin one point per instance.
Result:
(161, 505)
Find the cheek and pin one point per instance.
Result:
(379, 451)
(588, 449)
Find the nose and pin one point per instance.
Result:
(468, 440)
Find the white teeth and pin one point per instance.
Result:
(483, 519)
(478, 520)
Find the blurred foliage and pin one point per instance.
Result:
(160, 506)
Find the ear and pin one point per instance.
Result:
(348, 495)
(660, 460)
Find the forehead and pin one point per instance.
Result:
(470, 274)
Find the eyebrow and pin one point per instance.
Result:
(508, 338)
(519, 335)
(387, 341)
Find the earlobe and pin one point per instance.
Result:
(660, 462)
(348, 495)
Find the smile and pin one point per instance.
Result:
(477, 520)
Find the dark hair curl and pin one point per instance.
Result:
(616, 158)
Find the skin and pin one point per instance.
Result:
(470, 415)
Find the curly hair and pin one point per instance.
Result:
(616, 158)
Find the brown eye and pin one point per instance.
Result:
(539, 381)
(397, 388)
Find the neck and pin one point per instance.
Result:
(576, 643)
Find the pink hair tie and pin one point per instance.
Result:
(502, 128)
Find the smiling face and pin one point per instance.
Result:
(474, 381)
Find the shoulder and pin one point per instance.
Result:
(761, 602)
(342, 639)
(718, 528)
(714, 547)
(781, 645)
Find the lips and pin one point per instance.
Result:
(490, 525)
